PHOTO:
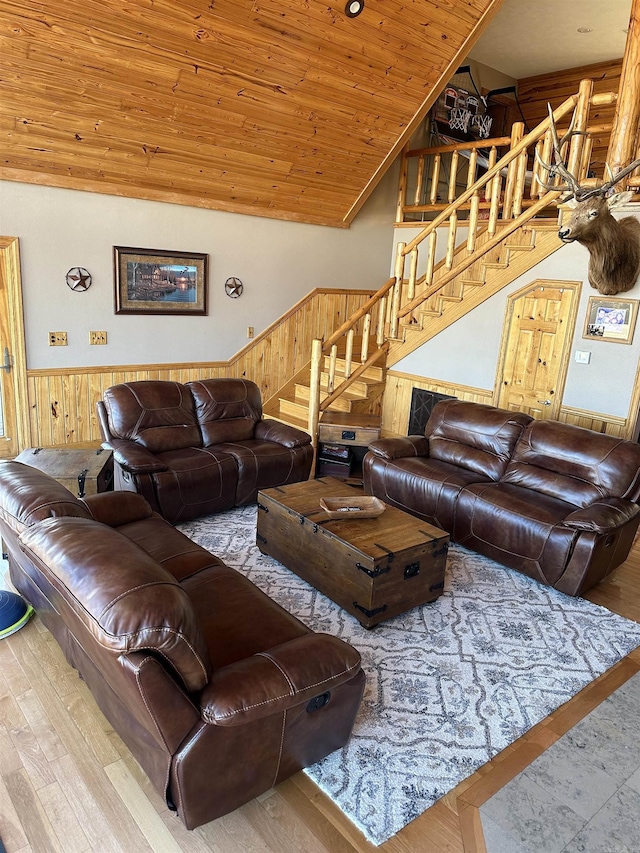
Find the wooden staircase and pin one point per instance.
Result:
(517, 254)
(493, 234)
(363, 398)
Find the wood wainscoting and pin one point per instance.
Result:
(62, 401)
(397, 397)
(397, 404)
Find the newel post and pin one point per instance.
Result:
(397, 291)
(314, 389)
(624, 135)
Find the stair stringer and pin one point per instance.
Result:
(520, 262)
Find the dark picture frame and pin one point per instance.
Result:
(611, 320)
(158, 281)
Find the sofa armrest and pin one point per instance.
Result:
(399, 448)
(603, 516)
(277, 679)
(288, 436)
(133, 457)
(117, 508)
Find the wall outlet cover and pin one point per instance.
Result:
(57, 339)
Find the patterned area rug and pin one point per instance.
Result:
(449, 684)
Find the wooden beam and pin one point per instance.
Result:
(623, 143)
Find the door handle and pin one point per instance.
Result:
(545, 402)
(6, 364)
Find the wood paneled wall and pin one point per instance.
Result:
(62, 402)
(397, 404)
(534, 93)
(280, 108)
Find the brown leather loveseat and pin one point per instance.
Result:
(218, 692)
(552, 500)
(198, 448)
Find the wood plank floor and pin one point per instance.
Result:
(69, 784)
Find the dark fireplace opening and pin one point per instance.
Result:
(422, 403)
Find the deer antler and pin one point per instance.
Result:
(559, 167)
(618, 177)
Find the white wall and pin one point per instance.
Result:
(467, 352)
(278, 262)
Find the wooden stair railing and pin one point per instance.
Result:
(503, 185)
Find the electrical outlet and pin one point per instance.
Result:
(97, 338)
(57, 339)
(249, 331)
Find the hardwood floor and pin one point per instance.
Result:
(69, 784)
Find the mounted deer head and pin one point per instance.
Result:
(614, 245)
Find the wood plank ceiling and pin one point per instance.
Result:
(281, 108)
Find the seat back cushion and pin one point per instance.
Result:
(28, 495)
(474, 436)
(158, 415)
(104, 584)
(227, 409)
(575, 464)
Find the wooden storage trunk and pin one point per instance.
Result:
(375, 568)
(84, 471)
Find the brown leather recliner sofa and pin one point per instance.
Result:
(198, 448)
(554, 501)
(218, 692)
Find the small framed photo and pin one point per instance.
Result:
(155, 281)
(610, 320)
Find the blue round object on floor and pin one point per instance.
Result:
(14, 613)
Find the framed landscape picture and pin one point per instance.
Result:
(155, 281)
(610, 320)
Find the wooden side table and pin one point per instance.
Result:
(350, 431)
(84, 471)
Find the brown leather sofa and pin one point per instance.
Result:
(198, 448)
(552, 500)
(217, 691)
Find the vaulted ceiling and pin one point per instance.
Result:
(281, 108)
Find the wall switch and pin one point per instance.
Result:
(249, 331)
(97, 338)
(583, 357)
(57, 339)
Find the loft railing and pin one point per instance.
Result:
(474, 222)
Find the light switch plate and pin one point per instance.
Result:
(583, 357)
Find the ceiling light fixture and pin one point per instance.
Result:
(585, 30)
(353, 8)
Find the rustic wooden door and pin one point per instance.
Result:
(536, 344)
(13, 397)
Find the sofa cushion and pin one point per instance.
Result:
(516, 526)
(582, 466)
(236, 618)
(474, 436)
(264, 464)
(197, 481)
(29, 496)
(226, 409)
(427, 488)
(120, 594)
(158, 415)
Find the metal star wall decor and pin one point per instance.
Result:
(79, 279)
